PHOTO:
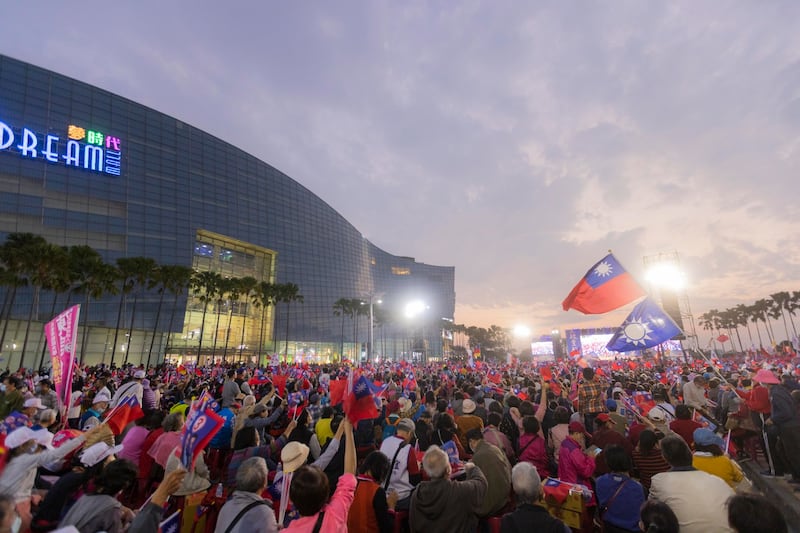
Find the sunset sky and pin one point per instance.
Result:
(516, 142)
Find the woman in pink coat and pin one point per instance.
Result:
(574, 464)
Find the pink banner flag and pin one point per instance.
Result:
(62, 334)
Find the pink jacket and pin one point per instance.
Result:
(335, 520)
(534, 452)
(574, 466)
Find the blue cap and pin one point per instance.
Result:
(611, 404)
(706, 437)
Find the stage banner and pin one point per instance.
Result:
(62, 335)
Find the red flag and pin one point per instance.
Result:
(359, 403)
(616, 366)
(555, 387)
(546, 373)
(280, 384)
(605, 287)
(632, 365)
(123, 414)
(600, 372)
(337, 388)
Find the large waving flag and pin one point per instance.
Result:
(647, 325)
(359, 403)
(605, 287)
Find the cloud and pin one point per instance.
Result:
(516, 142)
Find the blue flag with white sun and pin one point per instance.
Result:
(647, 326)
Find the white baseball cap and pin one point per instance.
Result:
(139, 374)
(33, 402)
(98, 452)
(101, 398)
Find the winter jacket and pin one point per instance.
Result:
(445, 505)
(94, 513)
(784, 413)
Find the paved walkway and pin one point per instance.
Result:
(777, 490)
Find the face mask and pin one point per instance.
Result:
(16, 525)
(2, 387)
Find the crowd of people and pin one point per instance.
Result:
(449, 446)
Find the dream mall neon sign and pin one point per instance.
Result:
(85, 149)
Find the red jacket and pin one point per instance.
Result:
(758, 399)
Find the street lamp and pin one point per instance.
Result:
(373, 299)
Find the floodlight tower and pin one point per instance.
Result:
(666, 282)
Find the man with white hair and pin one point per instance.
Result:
(530, 514)
(442, 504)
(247, 511)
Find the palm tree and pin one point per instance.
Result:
(794, 305)
(60, 281)
(93, 278)
(10, 280)
(288, 293)
(742, 316)
(234, 292)
(706, 321)
(730, 322)
(39, 259)
(759, 313)
(342, 308)
(222, 297)
(17, 253)
(142, 269)
(774, 312)
(247, 290)
(264, 296)
(204, 286)
(781, 302)
(177, 278)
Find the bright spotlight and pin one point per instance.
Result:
(667, 276)
(414, 308)
(522, 331)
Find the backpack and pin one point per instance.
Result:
(389, 427)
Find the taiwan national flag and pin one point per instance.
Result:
(123, 414)
(359, 404)
(171, 524)
(605, 287)
(647, 325)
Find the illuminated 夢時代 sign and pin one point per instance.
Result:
(84, 149)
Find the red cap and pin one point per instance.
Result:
(577, 427)
(603, 417)
(236, 405)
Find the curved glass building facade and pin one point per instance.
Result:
(79, 165)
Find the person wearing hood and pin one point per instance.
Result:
(442, 504)
(101, 511)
